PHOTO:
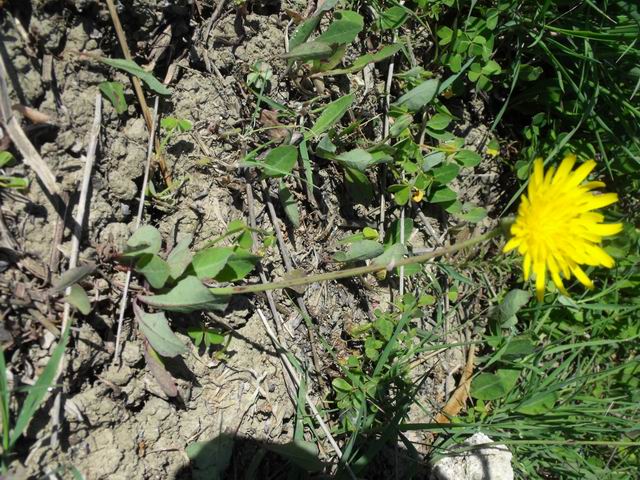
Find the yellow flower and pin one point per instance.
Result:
(418, 195)
(492, 151)
(556, 229)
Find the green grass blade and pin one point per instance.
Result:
(39, 390)
(4, 402)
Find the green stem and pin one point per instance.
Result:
(4, 410)
(592, 443)
(357, 271)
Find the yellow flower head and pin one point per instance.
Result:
(556, 228)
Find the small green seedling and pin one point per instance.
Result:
(114, 92)
(6, 160)
(36, 394)
(177, 282)
(172, 126)
(208, 337)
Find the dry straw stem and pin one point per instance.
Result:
(30, 155)
(263, 277)
(143, 191)
(296, 380)
(286, 257)
(385, 134)
(357, 271)
(84, 197)
(137, 86)
(56, 412)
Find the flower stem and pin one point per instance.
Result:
(357, 271)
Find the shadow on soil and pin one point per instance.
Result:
(237, 457)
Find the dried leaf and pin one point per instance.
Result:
(162, 376)
(457, 401)
(32, 114)
(269, 119)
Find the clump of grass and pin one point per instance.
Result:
(13, 429)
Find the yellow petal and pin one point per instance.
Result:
(512, 244)
(565, 168)
(539, 269)
(549, 175)
(554, 270)
(600, 256)
(581, 276)
(538, 172)
(599, 201)
(593, 217)
(526, 266)
(606, 229)
(581, 173)
(592, 185)
(564, 267)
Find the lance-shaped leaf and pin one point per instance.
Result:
(209, 262)
(146, 239)
(391, 255)
(419, 96)
(358, 158)
(364, 60)
(238, 266)
(115, 94)
(72, 276)
(289, 205)
(154, 269)
(180, 257)
(189, 295)
(332, 113)
(314, 50)
(344, 29)
(79, 299)
(280, 161)
(136, 70)
(155, 328)
(360, 250)
(39, 390)
(300, 452)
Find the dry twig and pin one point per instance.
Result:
(263, 277)
(75, 248)
(30, 155)
(385, 133)
(143, 191)
(137, 86)
(296, 380)
(289, 268)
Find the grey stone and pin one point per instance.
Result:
(484, 463)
